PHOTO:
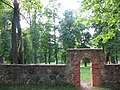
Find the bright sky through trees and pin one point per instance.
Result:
(65, 4)
(70, 4)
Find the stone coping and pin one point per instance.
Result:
(86, 49)
(44, 65)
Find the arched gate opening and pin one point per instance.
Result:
(85, 77)
(73, 65)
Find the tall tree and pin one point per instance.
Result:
(66, 30)
(17, 52)
(28, 52)
(55, 10)
(34, 33)
(6, 13)
(105, 12)
(112, 48)
(33, 11)
(6, 45)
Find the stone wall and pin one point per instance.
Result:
(63, 74)
(36, 74)
(110, 75)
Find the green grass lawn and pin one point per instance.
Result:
(37, 87)
(45, 87)
(85, 73)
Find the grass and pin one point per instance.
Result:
(36, 87)
(84, 73)
(45, 87)
(101, 88)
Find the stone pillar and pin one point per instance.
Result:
(95, 75)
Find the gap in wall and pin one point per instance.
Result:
(85, 71)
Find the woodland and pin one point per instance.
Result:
(47, 35)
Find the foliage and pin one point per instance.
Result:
(67, 30)
(73, 35)
(37, 87)
(104, 17)
(107, 11)
(34, 33)
(5, 32)
(112, 47)
(6, 44)
(41, 41)
(28, 52)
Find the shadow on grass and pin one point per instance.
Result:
(51, 87)
(108, 87)
(35, 87)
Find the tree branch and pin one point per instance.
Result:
(104, 9)
(7, 4)
(25, 18)
(13, 8)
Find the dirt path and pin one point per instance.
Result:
(85, 86)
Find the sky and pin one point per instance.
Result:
(67, 4)
(70, 4)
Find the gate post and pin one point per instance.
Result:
(95, 75)
(76, 74)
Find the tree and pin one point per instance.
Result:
(17, 52)
(28, 52)
(6, 45)
(105, 19)
(34, 37)
(44, 45)
(103, 12)
(85, 61)
(33, 9)
(82, 36)
(72, 34)
(112, 48)
(5, 33)
(55, 7)
(67, 30)
(49, 26)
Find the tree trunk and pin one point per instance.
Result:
(17, 53)
(56, 59)
(112, 59)
(116, 56)
(85, 64)
(35, 57)
(14, 42)
(46, 58)
(1, 59)
(20, 42)
(49, 57)
(55, 53)
(56, 56)
(107, 58)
